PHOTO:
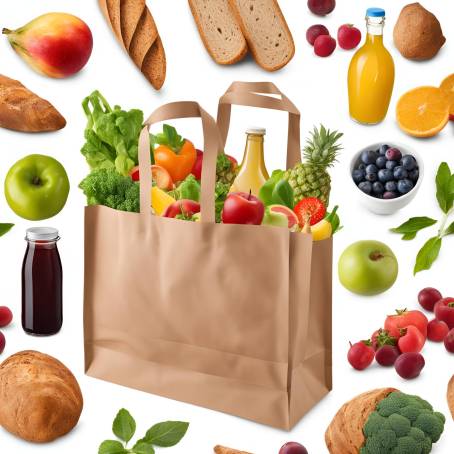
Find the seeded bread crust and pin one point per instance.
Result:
(219, 30)
(266, 31)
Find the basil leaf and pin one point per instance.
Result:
(111, 447)
(334, 219)
(449, 230)
(166, 434)
(427, 254)
(444, 185)
(409, 236)
(283, 194)
(124, 426)
(143, 447)
(5, 228)
(414, 225)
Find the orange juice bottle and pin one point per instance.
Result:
(252, 174)
(371, 74)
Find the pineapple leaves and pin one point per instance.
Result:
(322, 147)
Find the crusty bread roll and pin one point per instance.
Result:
(40, 398)
(345, 433)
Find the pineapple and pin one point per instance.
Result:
(310, 178)
(226, 169)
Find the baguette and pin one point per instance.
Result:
(145, 35)
(130, 14)
(219, 30)
(23, 110)
(154, 61)
(266, 32)
(113, 8)
(223, 450)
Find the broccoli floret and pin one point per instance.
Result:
(402, 424)
(109, 188)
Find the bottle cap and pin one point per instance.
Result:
(256, 130)
(375, 12)
(42, 234)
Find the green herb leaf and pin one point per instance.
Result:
(445, 196)
(427, 254)
(111, 447)
(410, 228)
(449, 230)
(5, 228)
(283, 194)
(143, 447)
(124, 426)
(166, 434)
(334, 219)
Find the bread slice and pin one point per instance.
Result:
(266, 32)
(154, 64)
(219, 29)
(130, 14)
(145, 35)
(113, 8)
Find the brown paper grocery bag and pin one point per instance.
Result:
(211, 314)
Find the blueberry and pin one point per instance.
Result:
(393, 154)
(371, 177)
(371, 168)
(405, 186)
(385, 175)
(381, 162)
(378, 188)
(358, 175)
(365, 186)
(408, 162)
(368, 157)
(414, 175)
(383, 149)
(391, 186)
(391, 164)
(389, 195)
(362, 166)
(400, 173)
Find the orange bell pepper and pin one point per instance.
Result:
(175, 154)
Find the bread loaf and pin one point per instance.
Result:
(223, 450)
(40, 398)
(220, 30)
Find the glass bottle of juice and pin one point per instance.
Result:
(42, 283)
(252, 174)
(371, 74)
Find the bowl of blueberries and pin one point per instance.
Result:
(387, 176)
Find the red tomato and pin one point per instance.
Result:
(403, 319)
(411, 340)
(310, 207)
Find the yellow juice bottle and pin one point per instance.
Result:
(371, 74)
(252, 174)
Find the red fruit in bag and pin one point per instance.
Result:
(310, 207)
(185, 208)
(242, 208)
(197, 169)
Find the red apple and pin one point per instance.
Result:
(159, 175)
(348, 36)
(184, 207)
(242, 208)
(321, 7)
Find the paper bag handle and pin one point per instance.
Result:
(256, 94)
(184, 109)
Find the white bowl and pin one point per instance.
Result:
(387, 206)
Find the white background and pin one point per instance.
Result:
(318, 87)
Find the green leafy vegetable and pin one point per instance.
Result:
(168, 137)
(277, 191)
(427, 254)
(107, 187)
(164, 434)
(221, 192)
(334, 220)
(410, 228)
(222, 163)
(5, 228)
(189, 188)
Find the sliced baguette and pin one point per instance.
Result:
(154, 64)
(145, 35)
(220, 30)
(266, 32)
(130, 14)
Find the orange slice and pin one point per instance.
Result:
(423, 111)
(448, 88)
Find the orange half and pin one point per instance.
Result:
(423, 111)
(448, 89)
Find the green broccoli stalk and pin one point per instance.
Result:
(402, 424)
(109, 188)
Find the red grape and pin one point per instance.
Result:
(2, 342)
(361, 355)
(409, 365)
(387, 355)
(427, 298)
(6, 316)
(293, 448)
(437, 330)
(449, 341)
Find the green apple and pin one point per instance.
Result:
(368, 268)
(36, 187)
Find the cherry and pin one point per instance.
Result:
(361, 355)
(409, 365)
(437, 330)
(324, 46)
(428, 297)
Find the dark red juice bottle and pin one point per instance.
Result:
(42, 278)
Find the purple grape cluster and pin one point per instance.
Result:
(385, 173)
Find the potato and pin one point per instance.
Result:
(40, 398)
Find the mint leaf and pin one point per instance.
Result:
(444, 183)
(409, 236)
(414, 225)
(143, 447)
(5, 228)
(166, 434)
(111, 447)
(124, 426)
(427, 254)
(449, 230)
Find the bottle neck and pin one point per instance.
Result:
(254, 148)
(375, 27)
